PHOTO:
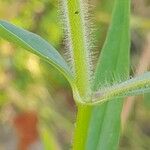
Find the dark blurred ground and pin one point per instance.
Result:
(28, 85)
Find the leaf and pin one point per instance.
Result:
(36, 45)
(104, 127)
(135, 86)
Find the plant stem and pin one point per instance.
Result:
(81, 130)
(78, 41)
(76, 27)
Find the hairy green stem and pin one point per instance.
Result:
(77, 37)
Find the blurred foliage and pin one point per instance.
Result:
(27, 84)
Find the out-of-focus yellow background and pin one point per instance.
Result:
(32, 90)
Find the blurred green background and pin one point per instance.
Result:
(30, 88)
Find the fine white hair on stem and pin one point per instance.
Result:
(88, 30)
(68, 54)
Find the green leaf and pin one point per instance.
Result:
(104, 128)
(135, 86)
(36, 45)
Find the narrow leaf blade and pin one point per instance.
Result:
(104, 127)
(36, 45)
(135, 86)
